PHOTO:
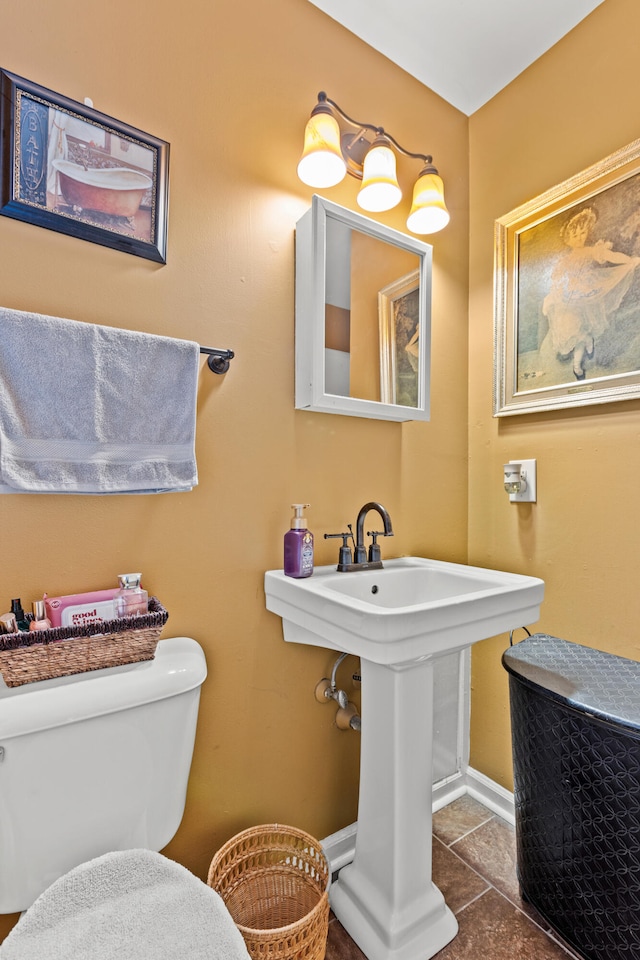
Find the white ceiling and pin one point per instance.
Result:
(464, 50)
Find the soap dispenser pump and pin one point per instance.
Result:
(298, 545)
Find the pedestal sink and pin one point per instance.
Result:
(397, 620)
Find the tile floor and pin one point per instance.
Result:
(474, 867)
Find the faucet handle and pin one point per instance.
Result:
(374, 547)
(345, 556)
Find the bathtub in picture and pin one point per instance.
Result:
(117, 191)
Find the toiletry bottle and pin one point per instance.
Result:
(9, 624)
(131, 599)
(298, 545)
(20, 615)
(40, 620)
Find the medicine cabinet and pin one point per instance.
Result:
(363, 317)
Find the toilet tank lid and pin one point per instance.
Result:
(179, 666)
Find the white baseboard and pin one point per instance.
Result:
(491, 794)
(339, 848)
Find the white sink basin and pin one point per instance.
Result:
(397, 620)
(412, 608)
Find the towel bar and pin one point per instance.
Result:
(218, 360)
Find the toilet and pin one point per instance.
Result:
(94, 763)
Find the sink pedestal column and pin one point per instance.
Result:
(386, 899)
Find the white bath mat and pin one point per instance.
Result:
(128, 905)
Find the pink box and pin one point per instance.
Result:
(92, 608)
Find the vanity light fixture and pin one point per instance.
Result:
(335, 145)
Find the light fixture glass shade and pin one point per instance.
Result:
(428, 211)
(322, 163)
(379, 190)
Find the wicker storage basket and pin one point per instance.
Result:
(274, 881)
(44, 654)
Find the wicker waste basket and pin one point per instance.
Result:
(274, 881)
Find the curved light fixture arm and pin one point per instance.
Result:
(379, 131)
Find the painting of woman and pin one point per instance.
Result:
(588, 283)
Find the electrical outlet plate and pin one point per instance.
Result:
(529, 474)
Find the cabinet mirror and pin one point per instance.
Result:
(363, 316)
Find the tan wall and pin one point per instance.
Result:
(230, 86)
(572, 108)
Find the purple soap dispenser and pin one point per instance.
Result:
(298, 545)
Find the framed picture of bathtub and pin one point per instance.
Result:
(567, 292)
(69, 168)
(398, 316)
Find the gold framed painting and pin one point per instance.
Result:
(567, 292)
(399, 321)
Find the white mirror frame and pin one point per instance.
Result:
(311, 270)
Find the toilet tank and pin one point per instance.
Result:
(93, 763)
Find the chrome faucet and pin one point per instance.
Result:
(362, 560)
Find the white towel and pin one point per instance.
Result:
(91, 409)
(129, 905)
